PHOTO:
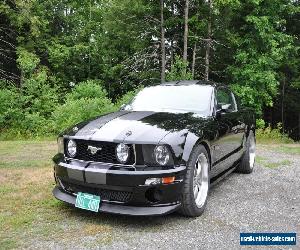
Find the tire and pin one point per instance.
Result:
(196, 179)
(248, 159)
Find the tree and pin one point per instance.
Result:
(261, 44)
(186, 30)
(208, 41)
(163, 46)
(48, 47)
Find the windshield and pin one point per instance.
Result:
(173, 98)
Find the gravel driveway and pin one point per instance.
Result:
(268, 200)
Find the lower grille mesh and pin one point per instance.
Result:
(105, 194)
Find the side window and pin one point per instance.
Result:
(225, 100)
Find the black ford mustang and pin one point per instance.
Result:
(159, 153)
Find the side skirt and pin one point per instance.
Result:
(223, 174)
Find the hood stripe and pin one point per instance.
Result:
(92, 126)
(117, 128)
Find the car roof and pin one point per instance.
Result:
(192, 82)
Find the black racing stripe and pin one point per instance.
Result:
(99, 122)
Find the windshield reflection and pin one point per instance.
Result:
(173, 99)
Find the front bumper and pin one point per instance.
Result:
(122, 191)
(119, 209)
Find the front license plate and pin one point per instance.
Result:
(88, 201)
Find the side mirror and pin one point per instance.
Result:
(125, 107)
(122, 107)
(222, 109)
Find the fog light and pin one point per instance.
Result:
(154, 195)
(153, 181)
(168, 180)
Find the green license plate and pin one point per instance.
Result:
(87, 201)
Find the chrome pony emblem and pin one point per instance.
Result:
(93, 150)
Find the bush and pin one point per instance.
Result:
(266, 135)
(260, 124)
(86, 101)
(34, 124)
(38, 95)
(75, 111)
(89, 89)
(179, 71)
(10, 108)
(125, 99)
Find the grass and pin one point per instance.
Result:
(260, 159)
(277, 164)
(270, 163)
(27, 209)
(289, 149)
(26, 154)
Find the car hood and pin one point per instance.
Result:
(133, 127)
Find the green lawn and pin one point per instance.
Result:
(28, 209)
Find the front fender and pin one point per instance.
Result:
(191, 141)
(183, 142)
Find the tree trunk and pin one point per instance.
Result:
(186, 31)
(90, 18)
(282, 104)
(194, 60)
(299, 127)
(172, 52)
(208, 43)
(163, 46)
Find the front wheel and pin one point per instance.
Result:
(196, 183)
(248, 159)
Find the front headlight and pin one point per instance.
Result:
(122, 153)
(71, 147)
(161, 154)
(60, 145)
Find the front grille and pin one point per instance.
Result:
(106, 154)
(105, 194)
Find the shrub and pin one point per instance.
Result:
(75, 111)
(10, 108)
(38, 95)
(86, 101)
(89, 89)
(179, 71)
(265, 135)
(127, 97)
(33, 124)
(260, 124)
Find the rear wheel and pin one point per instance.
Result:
(196, 183)
(248, 159)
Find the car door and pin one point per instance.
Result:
(230, 128)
